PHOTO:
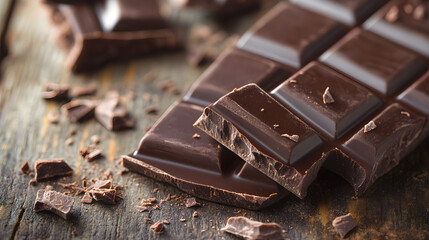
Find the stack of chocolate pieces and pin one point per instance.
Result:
(345, 89)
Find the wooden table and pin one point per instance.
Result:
(396, 207)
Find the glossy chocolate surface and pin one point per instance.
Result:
(350, 12)
(374, 61)
(406, 28)
(253, 125)
(417, 95)
(303, 92)
(291, 35)
(198, 164)
(232, 70)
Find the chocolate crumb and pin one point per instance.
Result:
(58, 203)
(69, 141)
(141, 208)
(262, 109)
(369, 127)
(392, 15)
(195, 214)
(156, 207)
(56, 92)
(158, 227)
(419, 12)
(344, 224)
(25, 168)
(406, 114)
(196, 136)
(192, 202)
(155, 190)
(294, 137)
(74, 233)
(48, 168)
(148, 202)
(292, 81)
(327, 97)
(95, 139)
(151, 110)
(182, 220)
(53, 117)
(86, 198)
(246, 228)
(79, 110)
(276, 125)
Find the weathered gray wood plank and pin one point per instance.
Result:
(396, 207)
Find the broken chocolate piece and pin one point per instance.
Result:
(369, 127)
(25, 168)
(79, 110)
(58, 203)
(344, 224)
(248, 229)
(107, 184)
(192, 202)
(47, 168)
(158, 227)
(327, 97)
(107, 196)
(294, 138)
(57, 92)
(113, 114)
(87, 198)
(93, 154)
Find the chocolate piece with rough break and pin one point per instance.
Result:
(192, 202)
(291, 35)
(344, 224)
(248, 229)
(113, 114)
(237, 122)
(49, 168)
(57, 92)
(58, 203)
(87, 198)
(79, 110)
(158, 227)
(203, 168)
(25, 168)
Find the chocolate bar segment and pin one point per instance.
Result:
(377, 151)
(350, 12)
(291, 35)
(228, 8)
(232, 70)
(417, 95)
(374, 61)
(199, 165)
(93, 33)
(266, 135)
(303, 93)
(403, 22)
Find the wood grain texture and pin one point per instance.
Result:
(396, 207)
(6, 9)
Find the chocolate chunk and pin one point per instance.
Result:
(192, 202)
(58, 203)
(57, 92)
(106, 184)
(79, 110)
(93, 154)
(87, 198)
(107, 196)
(344, 224)
(113, 114)
(25, 168)
(248, 229)
(298, 42)
(369, 127)
(327, 97)
(199, 167)
(289, 163)
(49, 168)
(158, 228)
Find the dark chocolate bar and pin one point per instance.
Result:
(229, 8)
(291, 35)
(349, 12)
(95, 32)
(233, 69)
(175, 152)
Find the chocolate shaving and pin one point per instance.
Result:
(369, 127)
(249, 229)
(294, 138)
(141, 208)
(192, 202)
(406, 114)
(392, 15)
(52, 91)
(344, 224)
(419, 12)
(148, 202)
(113, 114)
(25, 168)
(276, 125)
(47, 168)
(327, 97)
(182, 220)
(79, 110)
(58, 203)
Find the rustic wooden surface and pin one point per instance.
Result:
(396, 207)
